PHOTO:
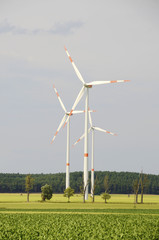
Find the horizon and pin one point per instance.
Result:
(78, 172)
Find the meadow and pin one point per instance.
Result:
(120, 218)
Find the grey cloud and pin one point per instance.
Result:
(58, 29)
(64, 29)
(6, 27)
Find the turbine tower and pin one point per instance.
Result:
(86, 86)
(68, 136)
(92, 128)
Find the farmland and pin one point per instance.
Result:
(120, 218)
(75, 226)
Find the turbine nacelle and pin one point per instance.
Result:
(87, 85)
(68, 114)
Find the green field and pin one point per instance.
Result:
(120, 201)
(120, 218)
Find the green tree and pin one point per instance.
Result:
(106, 183)
(105, 196)
(143, 182)
(69, 192)
(119, 182)
(83, 189)
(136, 185)
(29, 181)
(93, 192)
(46, 192)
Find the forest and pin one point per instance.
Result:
(119, 182)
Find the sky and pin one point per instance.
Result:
(108, 40)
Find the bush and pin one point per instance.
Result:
(46, 192)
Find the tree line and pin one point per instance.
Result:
(119, 182)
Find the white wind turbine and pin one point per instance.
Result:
(92, 128)
(86, 86)
(68, 137)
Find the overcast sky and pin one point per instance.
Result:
(108, 40)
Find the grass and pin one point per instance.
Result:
(77, 198)
(17, 202)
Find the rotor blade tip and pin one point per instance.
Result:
(65, 48)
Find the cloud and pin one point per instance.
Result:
(64, 29)
(58, 29)
(6, 27)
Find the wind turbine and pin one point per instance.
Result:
(68, 136)
(86, 86)
(91, 129)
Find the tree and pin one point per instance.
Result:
(69, 192)
(83, 189)
(136, 185)
(143, 182)
(105, 196)
(93, 190)
(29, 181)
(46, 192)
(106, 183)
(119, 182)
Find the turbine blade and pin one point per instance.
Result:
(78, 140)
(61, 123)
(75, 68)
(81, 138)
(62, 105)
(78, 111)
(105, 82)
(82, 111)
(102, 130)
(91, 110)
(80, 95)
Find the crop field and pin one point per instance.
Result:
(120, 218)
(75, 226)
